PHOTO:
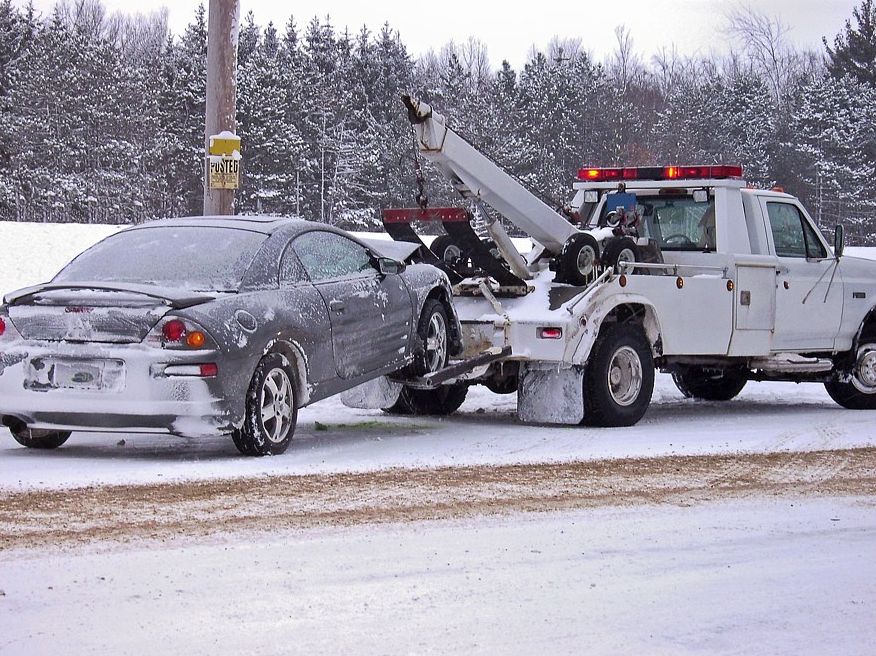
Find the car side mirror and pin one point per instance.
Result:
(839, 241)
(388, 266)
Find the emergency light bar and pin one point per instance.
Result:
(660, 173)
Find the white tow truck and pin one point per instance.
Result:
(680, 268)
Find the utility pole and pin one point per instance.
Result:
(222, 28)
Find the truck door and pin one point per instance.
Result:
(371, 315)
(809, 289)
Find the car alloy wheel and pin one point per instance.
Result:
(276, 405)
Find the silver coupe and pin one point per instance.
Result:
(201, 326)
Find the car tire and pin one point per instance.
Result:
(860, 392)
(35, 438)
(716, 385)
(617, 249)
(431, 356)
(619, 377)
(578, 260)
(271, 409)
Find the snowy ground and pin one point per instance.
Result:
(756, 576)
(721, 562)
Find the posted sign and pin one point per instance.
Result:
(224, 172)
(224, 161)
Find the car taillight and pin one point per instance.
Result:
(173, 330)
(2, 326)
(175, 333)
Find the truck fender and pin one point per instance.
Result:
(623, 307)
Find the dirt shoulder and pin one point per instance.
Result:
(122, 513)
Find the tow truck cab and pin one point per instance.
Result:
(789, 291)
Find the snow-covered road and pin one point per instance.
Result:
(761, 576)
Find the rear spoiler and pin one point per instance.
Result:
(176, 298)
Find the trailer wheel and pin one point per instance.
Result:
(860, 392)
(619, 378)
(709, 384)
(578, 259)
(620, 249)
(446, 250)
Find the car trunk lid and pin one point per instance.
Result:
(92, 314)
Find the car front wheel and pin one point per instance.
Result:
(271, 409)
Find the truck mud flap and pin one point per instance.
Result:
(550, 395)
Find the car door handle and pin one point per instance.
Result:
(337, 306)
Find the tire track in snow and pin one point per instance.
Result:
(160, 512)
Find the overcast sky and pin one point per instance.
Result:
(692, 26)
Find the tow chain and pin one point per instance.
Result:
(421, 197)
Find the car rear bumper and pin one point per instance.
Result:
(146, 399)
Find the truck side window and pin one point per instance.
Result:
(677, 223)
(792, 234)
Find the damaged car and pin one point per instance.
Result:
(215, 325)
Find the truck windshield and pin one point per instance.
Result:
(675, 222)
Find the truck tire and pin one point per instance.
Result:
(860, 392)
(619, 377)
(578, 260)
(620, 248)
(446, 250)
(709, 384)
(35, 438)
(442, 401)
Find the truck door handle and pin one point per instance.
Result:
(337, 306)
(781, 271)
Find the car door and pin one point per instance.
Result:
(809, 289)
(371, 314)
(303, 313)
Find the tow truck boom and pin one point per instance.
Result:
(474, 176)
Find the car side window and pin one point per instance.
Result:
(326, 255)
(291, 270)
(792, 234)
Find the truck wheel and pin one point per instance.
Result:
(35, 438)
(271, 409)
(578, 260)
(709, 384)
(444, 400)
(620, 249)
(619, 378)
(860, 392)
(446, 251)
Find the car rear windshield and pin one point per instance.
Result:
(188, 257)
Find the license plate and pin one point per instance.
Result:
(56, 373)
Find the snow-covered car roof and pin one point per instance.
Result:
(264, 224)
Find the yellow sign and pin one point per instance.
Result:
(225, 143)
(224, 172)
